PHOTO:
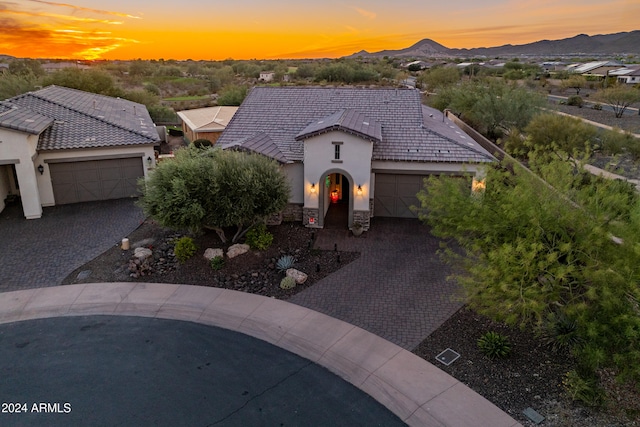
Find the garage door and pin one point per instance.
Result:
(95, 180)
(395, 194)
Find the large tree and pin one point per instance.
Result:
(532, 252)
(491, 106)
(439, 77)
(619, 97)
(214, 189)
(576, 82)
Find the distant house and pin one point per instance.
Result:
(597, 68)
(362, 150)
(627, 75)
(267, 76)
(61, 145)
(205, 123)
(4, 68)
(52, 67)
(416, 65)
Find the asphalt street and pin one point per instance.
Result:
(135, 371)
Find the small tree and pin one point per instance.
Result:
(439, 77)
(232, 95)
(214, 189)
(619, 97)
(576, 82)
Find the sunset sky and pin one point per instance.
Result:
(245, 29)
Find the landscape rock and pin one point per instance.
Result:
(142, 253)
(297, 275)
(212, 253)
(237, 249)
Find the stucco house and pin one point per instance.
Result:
(61, 145)
(205, 123)
(366, 150)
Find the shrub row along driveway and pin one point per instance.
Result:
(42, 252)
(397, 288)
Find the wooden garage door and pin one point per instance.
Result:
(95, 180)
(395, 194)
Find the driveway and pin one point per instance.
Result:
(42, 252)
(397, 288)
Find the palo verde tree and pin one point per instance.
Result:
(214, 189)
(619, 97)
(533, 252)
(491, 106)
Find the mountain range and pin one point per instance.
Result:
(607, 44)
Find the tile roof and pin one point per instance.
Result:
(209, 119)
(349, 121)
(23, 120)
(80, 119)
(409, 131)
(260, 143)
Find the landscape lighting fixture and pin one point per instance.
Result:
(41, 169)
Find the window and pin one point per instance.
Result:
(336, 152)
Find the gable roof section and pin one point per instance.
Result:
(289, 114)
(23, 120)
(260, 143)
(346, 120)
(211, 119)
(86, 120)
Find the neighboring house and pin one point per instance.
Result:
(205, 123)
(627, 75)
(366, 148)
(4, 68)
(417, 65)
(52, 67)
(267, 76)
(598, 68)
(61, 145)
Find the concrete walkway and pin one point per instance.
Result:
(397, 288)
(416, 391)
(42, 252)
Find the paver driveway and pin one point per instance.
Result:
(42, 252)
(397, 289)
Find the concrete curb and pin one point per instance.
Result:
(416, 391)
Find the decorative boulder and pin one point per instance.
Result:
(142, 253)
(297, 275)
(237, 249)
(212, 253)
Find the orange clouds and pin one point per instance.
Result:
(38, 28)
(290, 28)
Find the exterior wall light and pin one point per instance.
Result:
(359, 191)
(478, 186)
(149, 161)
(41, 169)
(313, 188)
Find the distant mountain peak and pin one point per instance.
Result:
(625, 42)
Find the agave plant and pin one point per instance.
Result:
(285, 262)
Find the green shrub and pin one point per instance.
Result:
(217, 263)
(288, 283)
(562, 334)
(285, 262)
(259, 238)
(185, 248)
(575, 100)
(597, 107)
(202, 143)
(582, 389)
(494, 345)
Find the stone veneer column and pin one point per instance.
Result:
(311, 213)
(363, 217)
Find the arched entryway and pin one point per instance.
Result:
(336, 199)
